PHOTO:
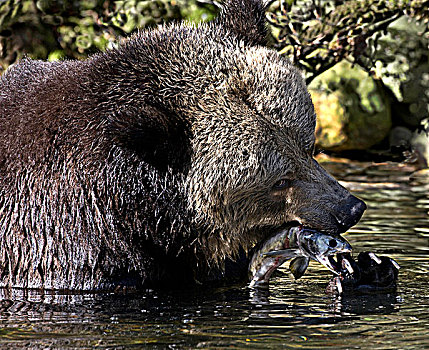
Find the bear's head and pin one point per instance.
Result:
(237, 124)
(252, 167)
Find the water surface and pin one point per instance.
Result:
(292, 314)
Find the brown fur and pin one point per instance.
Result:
(157, 161)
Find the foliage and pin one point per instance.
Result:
(402, 62)
(317, 34)
(74, 29)
(314, 34)
(388, 39)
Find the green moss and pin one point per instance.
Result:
(56, 55)
(353, 111)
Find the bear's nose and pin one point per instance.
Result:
(349, 213)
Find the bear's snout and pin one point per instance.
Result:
(349, 213)
(324, 204)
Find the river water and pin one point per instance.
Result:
(292, 314)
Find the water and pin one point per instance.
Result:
(292, 314)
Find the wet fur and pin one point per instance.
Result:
(155, 161)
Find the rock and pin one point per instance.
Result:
(353, 112)
(402, 64)
(420, 144)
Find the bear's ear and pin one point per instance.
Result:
(158, 137)
(246, 19)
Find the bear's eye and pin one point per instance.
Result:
(281, 185)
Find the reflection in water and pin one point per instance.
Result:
(290, 314)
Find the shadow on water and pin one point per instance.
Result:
(209, 318)
(289, 314)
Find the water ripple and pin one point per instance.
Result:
(291, 314)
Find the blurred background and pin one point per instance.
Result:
(366, 61)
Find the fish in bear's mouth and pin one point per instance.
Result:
(300, 244)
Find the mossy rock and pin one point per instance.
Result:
(353, 111)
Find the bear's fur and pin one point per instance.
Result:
(159, 160)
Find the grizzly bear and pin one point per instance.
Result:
(161, 161)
